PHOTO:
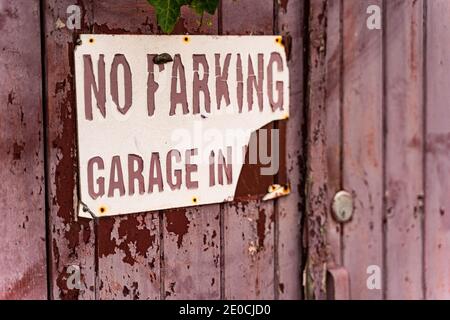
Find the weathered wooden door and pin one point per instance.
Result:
(369, 115)
(247, 249)
(387, 143)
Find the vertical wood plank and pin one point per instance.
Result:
(128, 257)
(192, 253)
(290, 23)
(247, 17)
(22, 191)
(437, 200)
(334, 124)
(362, 143)
(316, 179)
(404, 149)
(249, 250)
(248, 227)
(192, 236)
(72, 240)
(129, 246)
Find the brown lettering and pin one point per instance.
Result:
(275, 57)
(116, 177)
(100, 180)
(200, 85)
(90, 84)
(240, 82)
(152, 85)
(225, 166)
(175, 96)
(191, 168)
(212, 175)
(119, 59)
(155, 177)
(221, 80)
(253, 83)
(135, 174)
(177, 173)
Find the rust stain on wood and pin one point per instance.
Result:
(24, 286)
(130, 234)
(137, 237)
(178, 224)
(261, 227)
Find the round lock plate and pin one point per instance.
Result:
(342, 206)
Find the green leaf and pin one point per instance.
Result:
(168, 12)
(209, 6)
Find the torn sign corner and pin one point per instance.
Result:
(277, 191)
(85, 212)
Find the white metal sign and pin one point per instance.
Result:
(163, 121)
